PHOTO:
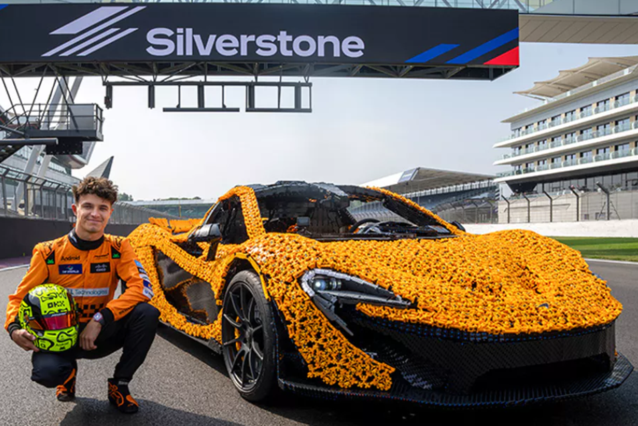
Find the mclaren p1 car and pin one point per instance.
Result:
(343, 291)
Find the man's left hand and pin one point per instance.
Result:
(88, 336)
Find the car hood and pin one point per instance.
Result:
(507, 282)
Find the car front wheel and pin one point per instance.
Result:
(248, 337)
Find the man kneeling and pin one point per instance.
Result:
(89, 264)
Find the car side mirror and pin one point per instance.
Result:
(209, 233)
(206, 233)
(458, 225)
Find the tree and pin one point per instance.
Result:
(123, 196)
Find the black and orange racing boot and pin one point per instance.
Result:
(120, 396)
(66, 391)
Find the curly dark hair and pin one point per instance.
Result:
(102, 187)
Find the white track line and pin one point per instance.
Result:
(14, 267)
(622, 262)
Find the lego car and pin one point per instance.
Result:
(340, 291)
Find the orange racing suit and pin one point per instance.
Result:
(90, 270)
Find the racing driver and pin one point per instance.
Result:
(89, 264)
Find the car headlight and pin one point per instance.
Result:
(328, 288)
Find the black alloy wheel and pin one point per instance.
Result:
(248, 337)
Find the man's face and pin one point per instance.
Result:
(93, 214)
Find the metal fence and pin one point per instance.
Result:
(25, 195)
(569, 206)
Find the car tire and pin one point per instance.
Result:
(249, 338)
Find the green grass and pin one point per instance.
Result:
(604, 248)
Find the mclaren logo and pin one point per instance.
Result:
(94, 31)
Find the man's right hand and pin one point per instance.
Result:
(24, 339)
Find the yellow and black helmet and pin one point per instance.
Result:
(49, 312)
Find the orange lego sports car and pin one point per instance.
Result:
(343, 291)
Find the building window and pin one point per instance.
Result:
(556, 120)
(603, 154)
(542, 145)
(585, 111)
(621, 150)
(570, 138)
(556, 162)
(622, 125)
(542, 165)
(622, 100)
(529, 148)
(516, 132)
(585, 157)
(622, 147)
(603, 106)
(570, 160)
(529, 167)
(556, 142)
(542, 125)
(586, 134)
(570, 116)
(603, 130)
(604, 150)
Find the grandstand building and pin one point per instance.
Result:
(187, 209)
(578, 147)
(464, 197)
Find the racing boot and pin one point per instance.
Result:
(120, 396)
(66, 391)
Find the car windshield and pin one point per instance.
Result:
(328, 212)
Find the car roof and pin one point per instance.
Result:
(312, 189)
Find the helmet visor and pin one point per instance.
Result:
(52, 322)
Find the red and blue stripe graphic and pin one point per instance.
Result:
(508, 58)
(432, 53)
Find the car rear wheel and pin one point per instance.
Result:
(248, 337)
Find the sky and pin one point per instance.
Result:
(360, 130)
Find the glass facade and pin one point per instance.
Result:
(612, 182)
(598, 136)
(586, 111)
(623, 99)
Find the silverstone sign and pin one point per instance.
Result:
(257, 33)
(265, 45)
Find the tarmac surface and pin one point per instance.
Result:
(184, 383)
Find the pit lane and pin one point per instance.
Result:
(183, 383)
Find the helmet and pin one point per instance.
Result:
(49, 312)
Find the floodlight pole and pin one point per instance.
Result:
(606, 191)
(529, 208)
(508, 207)
(571, 187)
(551, 204)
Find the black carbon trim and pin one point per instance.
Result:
(404, 392)
(461, 364)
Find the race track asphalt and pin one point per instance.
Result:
(184, 383)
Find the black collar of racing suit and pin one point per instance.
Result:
(81, 244)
